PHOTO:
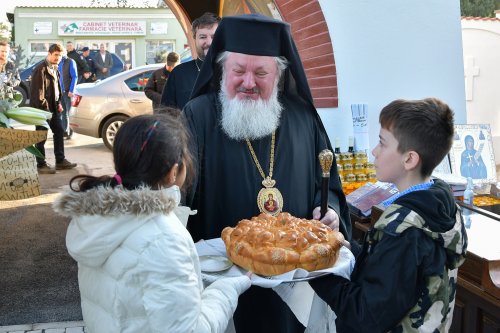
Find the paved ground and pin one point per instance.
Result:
(59, 327)
(33, 243)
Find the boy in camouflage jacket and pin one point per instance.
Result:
(405, 277)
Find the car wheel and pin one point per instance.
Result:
(23, 93)
(110, 129)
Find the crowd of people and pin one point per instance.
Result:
(53, 82)
(237, 124)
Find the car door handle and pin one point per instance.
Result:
(134, 100)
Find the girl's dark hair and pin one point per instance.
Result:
(145, 148)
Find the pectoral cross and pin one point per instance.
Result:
(470, 157)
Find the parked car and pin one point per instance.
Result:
(98, 109)
(186, 55)
(25, 74)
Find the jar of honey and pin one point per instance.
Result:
(369, 167)
(340, 169)
(360, 157)
(361, 177)
(372, 177)
(348, 168)
(347, 157)
(338, 158)
(350, 178)
(359, 168)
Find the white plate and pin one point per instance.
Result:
(307, 278)
(214, 263)
(311, 276)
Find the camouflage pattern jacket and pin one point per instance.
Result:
(405, 276)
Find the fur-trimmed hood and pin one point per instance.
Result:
(107, 201)
(103, 217)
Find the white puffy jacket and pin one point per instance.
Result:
(138, 269)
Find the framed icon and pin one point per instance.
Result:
(472, 153)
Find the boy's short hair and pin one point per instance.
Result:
(204, 21)
(172, 58)
(425, 126)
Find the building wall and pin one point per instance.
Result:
(310, 32)
(383, 51)
(481, 51)
(41, 24)
(392, 49)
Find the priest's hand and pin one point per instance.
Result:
(330, 219)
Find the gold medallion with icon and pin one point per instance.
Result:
(270, 201)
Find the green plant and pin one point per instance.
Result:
(481, 8)
(9, 107)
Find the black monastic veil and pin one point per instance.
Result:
(227, 183)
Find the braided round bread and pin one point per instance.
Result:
(272, 245)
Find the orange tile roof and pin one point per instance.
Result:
(479, 18)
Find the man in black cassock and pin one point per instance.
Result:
(253, 88)
(181, 80)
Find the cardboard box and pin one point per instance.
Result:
(18, 171)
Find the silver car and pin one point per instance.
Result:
(98, 109)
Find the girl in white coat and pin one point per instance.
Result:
(138, 269)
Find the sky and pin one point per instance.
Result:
(8, 6)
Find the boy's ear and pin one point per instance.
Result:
(411, 160)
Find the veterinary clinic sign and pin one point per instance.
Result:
(101, 28)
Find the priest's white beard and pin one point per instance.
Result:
(248, 118)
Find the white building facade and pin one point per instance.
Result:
(481, 51)
(389, 50)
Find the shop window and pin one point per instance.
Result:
(156, 48)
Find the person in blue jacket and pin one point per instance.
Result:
(69, 77)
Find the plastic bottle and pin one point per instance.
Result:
(337, 145)
(468, 195)
(337, 153)
(351, 145)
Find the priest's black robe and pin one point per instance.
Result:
(228, 181)
(180, 83)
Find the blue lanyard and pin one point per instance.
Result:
(418, 187)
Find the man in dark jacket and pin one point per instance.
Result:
(103, 63)
(180, 82)
(156, 82)
(81, 65)
(90, 63)
(46, 95)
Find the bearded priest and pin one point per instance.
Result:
(256, 134)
